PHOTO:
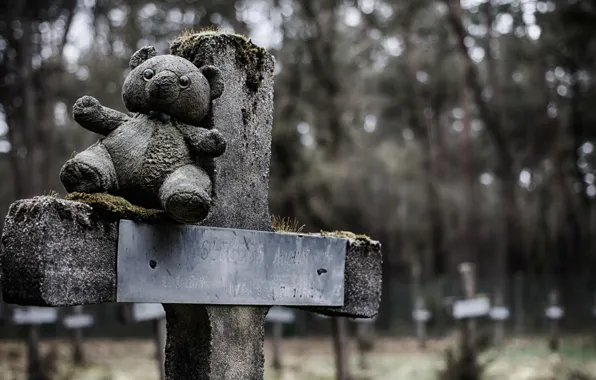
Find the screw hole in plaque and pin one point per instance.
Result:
(152, 264)
(320, 271)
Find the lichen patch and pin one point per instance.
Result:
(192, 45)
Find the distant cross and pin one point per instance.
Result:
(553, 313)
(421, 316)
(154, 313)
(278, 317)
(499, 313)
(365, 332)
(419, 312)
(471, 307)
(77, 321)
(32, 318)
(216, 281)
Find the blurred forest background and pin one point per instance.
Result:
(447, 130)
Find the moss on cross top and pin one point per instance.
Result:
(116, 207)
(346, 235)
(197, 46)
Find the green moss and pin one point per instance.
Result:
(118, 207)
(193, 45)
(346, 235)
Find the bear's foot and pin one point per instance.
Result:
(90, 171)
(81, 177)
(188, 206)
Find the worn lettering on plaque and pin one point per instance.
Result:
(193, 264)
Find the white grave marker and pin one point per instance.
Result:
(421, 315)
(280, 315)
(499, 313)
(33, 315)
(554, 312)
(147, 311)
(78, 321)
(471, 308)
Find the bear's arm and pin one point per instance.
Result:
(203, 142)
(91, 115)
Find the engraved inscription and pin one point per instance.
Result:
(206, 265)
(288, 291)
(296, 257)
(226, 251)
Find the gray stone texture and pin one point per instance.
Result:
(57, 253)
(215, 342)
(63, 253)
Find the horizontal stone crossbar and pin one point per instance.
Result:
(63, 253)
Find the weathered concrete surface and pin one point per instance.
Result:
(63, 253)
(215, 342)
(234, 337)
(57, 252)
(363, 280)
(244, 116)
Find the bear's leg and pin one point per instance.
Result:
(186, 194)
(90, 171)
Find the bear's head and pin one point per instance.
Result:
(171, 85)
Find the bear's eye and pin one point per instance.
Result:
(184, 81)
(148, 74)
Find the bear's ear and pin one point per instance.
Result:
(215, 78)
(145, 53)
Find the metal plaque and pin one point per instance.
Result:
(279, 314)
(78, 321)
(147, 311)
(32, 315)
(471, 308)
(208, 265)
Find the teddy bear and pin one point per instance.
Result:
(161, 156)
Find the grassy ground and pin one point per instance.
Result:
(312, 360)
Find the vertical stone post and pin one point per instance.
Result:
(519, 303)
(34, 362)
(468, 278)
(277, 336)
(339, 330)
(78, 354)
(553, 340)
(420, 306)
(159, 331)
(499, 332)
(226, 342)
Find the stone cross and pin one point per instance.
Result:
(77, 321)
(365, 334)
(278, 317)
(153, 312)
(216, 280)
(421, 316)
(32, 318)
(554, 313)
(470, 307)
(499, 313)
